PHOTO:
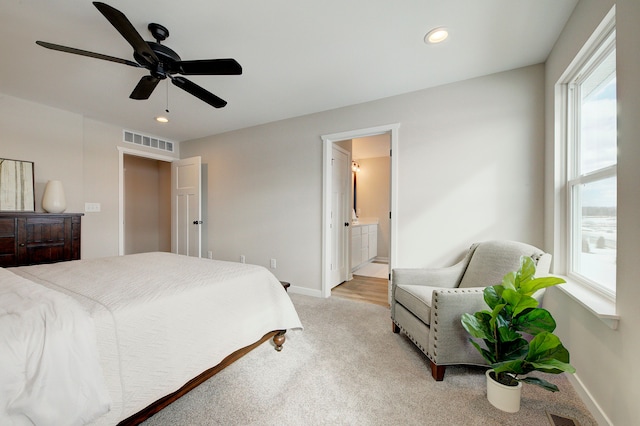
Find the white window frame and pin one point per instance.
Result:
(597, 302)
(579, 73)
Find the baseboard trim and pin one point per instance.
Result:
(586, 397)
(305, 291)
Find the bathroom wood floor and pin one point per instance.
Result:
(364, 289)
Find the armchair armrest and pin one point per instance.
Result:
(448, 340)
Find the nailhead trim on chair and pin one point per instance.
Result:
(411, 338)
(435, 330)
(435, 314)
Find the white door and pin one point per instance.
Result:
(186, 218)
(339, 215)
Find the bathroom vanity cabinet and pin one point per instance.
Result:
(364, 244)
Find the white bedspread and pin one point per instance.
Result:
(161, 319)
(44, 334)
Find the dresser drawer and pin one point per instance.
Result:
(28, 238)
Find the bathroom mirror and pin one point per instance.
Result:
(16, 185)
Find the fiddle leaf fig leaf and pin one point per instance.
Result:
(553, 366)
(534, 321)
(491, 297)
(539, 283)
(477, 325)
(518, 302)
(526, 272)
(509, 281)
(541, 382)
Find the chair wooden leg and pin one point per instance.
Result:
(394, 327)
(437, 371)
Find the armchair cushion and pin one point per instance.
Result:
(417, 299)
(491, 261)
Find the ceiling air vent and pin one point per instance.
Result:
(148, 141)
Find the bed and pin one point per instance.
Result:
(99, 341)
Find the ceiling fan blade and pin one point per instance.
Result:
(86, 53)
(207, 67)
(127, 30)
(144, 88)
(198, 92)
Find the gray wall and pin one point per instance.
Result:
(470, 169)
(81, 152)
(605, 359)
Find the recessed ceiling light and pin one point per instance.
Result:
(162, 119)
(436, 35)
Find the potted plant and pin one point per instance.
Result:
(517, 334)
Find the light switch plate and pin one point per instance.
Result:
(91, 207)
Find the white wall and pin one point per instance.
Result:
(80, 152)
(605, 359)
(470, 169)
(49, 137)
(373, 197)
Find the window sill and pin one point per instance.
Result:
(597, 304)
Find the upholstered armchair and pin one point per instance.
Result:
(426, 304)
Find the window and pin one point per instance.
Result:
(591, 183)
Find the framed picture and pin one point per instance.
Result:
(16, 185)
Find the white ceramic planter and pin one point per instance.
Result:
(505, 398)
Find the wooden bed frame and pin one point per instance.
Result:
(278, 340)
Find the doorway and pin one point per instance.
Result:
(329, 141)
(127, 152)
(147, 205)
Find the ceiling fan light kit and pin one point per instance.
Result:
(161, 61)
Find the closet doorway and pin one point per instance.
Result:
(146, 204)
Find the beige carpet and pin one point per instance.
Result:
(348, 368)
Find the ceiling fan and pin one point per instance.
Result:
(161, 61)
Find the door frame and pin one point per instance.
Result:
(328, 141)
(122, 151)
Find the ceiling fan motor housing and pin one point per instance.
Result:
(166, 58)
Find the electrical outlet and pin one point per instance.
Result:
(273, 264)
(242, 258)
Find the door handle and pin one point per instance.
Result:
(197, 222)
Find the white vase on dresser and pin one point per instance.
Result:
(53, 199)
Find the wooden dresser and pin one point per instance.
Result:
(28, 238)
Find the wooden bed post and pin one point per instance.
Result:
(279, 339)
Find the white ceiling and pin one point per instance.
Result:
(298, 56)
